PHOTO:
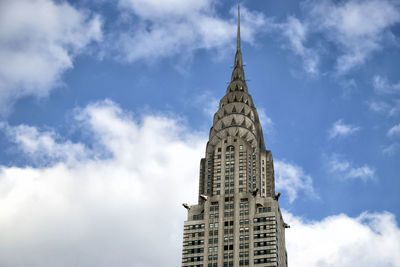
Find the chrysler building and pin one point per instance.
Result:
(237, 221)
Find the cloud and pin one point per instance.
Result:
(297, 33)
(382, 86)
(44, 147)
(161, 29)
(38, 42)
(394, 131)
(266, 122)
(116, 199)
(389, 108)
(291, 179)
(352, 31)
(207, 102)
(84, 210)
(345, 169)
(357, 28)
(371, 239)
(339, 129)
(391, 149)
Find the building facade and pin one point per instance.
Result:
(237, 221)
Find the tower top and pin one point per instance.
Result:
(238, 72)
(238, 30)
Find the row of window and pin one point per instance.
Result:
(243, 237)
(194, 226)
(265, 209)
(199, 234)
(213, 257)
(212, 249)
(193, 259)
(212, 216)
(264, 251)
(198, 217)
(243, 254)
(228, 247)
(228, 231)
(214, 225)
(214, 208)
(263, 235)
(244, 221)
(193, 251)
(243, 245)
(263, 244)
(227, 264)
(228, 239)
(229, 206)
(229, 213)
(264, 219)
(228, 255)
(264, 260)
(243, 262)
(195, 242)
(263, 227)
(244, 229)
(211, 233)
(211, 241)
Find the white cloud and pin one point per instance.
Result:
(38, 42)
(382, 86)
(385, 107)
(378, 106)
(44, 146)
(266, 122)
(118, 209)
(357, 27)
(297, 33)
(371, 239)
(339, 129)
(178, 27)
(346, 170)
(394, 131)
(207, 102)
(391, 149)
(351, 30)
(291, 179)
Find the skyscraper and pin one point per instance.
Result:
(237, 221)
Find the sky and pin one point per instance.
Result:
(105, 109)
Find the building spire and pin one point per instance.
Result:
(238, 30)
(238, 72)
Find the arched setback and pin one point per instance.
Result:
(237, 96)
(235, 108)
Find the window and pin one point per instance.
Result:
(230, 148)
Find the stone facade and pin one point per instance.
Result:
(237, 221)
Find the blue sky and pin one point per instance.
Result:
(102, 100)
